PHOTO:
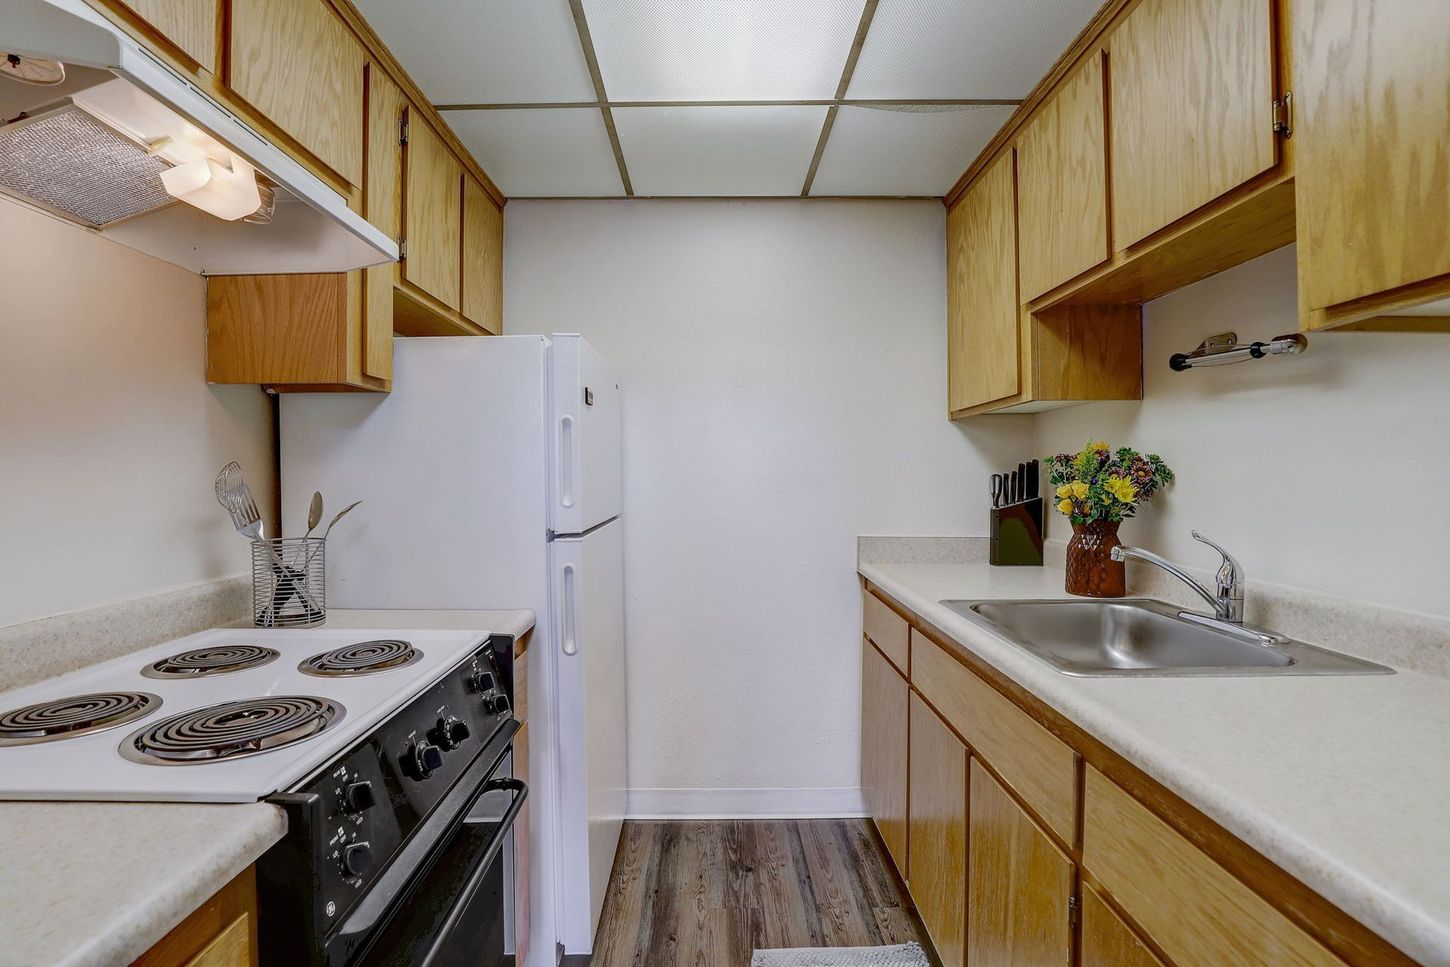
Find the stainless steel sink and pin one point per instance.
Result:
(1135, 637)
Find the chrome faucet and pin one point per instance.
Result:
(1227, 598)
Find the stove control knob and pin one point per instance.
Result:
(450, 732)
(358, 796)
(496, 703)
(357, 859)
(483, 682)
(422, 759)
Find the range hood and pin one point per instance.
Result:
(132, 150)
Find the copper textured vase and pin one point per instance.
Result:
(1091, 570)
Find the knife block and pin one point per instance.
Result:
(1016, 534)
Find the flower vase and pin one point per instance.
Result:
(1091, 570)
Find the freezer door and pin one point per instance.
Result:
(586, 489)
(589, 641)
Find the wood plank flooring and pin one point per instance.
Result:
(707, 894)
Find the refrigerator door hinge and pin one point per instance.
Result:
(402, 131)
(1072, 910)
(1283, 115)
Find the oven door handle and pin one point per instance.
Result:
(377, 905)
(495, 846)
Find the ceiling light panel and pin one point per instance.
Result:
(722, 50)
(541, 153)
(914, 152)
(485, 51)
(965, 48)
(717, 151)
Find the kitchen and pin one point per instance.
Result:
(703, 636)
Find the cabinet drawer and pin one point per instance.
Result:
(1195, 910)
(887, 629)
(1038, 766)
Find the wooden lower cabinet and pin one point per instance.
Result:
(884, 749)
(937, 831)
(1007, 828)
(1106, 940)
(1019, 887)
(222, 932)
(1194, 909)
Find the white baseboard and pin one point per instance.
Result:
(822, 803)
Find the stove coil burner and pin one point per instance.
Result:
(231, 730)
(65, 718)
(363, 658)
(211, 661)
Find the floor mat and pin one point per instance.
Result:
(904, 955)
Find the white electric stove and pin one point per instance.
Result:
(229, 715)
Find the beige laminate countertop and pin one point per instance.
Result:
(97, 883)
(1342, 781)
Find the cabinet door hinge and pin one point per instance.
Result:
(402, 131)
(402, 249)
(1072, 911)
(1283, 114)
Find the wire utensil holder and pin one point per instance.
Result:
(289, 582)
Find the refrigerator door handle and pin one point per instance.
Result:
(570, 639)
(566, 461)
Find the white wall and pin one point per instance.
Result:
(109, 435)
(784, 377)
(1322, 471)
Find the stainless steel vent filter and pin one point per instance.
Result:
(74, 164)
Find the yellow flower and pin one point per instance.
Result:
(1121, 488)
(1099, 445)
(1065, 507)
(1080, 490)
(1065, 490)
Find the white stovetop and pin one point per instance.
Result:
(90, 767)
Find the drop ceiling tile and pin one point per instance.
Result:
(965, 48)
(485, 51)
(917, 152)
(722, 50)
(718, 150)
(541, 152)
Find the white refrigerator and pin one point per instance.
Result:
(491, 478)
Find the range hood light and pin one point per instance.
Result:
(228, 193)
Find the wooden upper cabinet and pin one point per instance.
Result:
(1372, 153)
(1019, 893)
(883, 750)
(937, 832)
(192, 26)
(1062, 184)
(296, 63)
(482, 258)
(1191, 108)
(982, 306)
(383, 206)
(432, 213)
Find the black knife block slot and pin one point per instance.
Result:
(1017, 534)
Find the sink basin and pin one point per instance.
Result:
(1135, 637)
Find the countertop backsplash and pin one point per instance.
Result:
(36, 650)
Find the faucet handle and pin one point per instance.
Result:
(1230, 573)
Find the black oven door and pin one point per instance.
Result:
(458, 908)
